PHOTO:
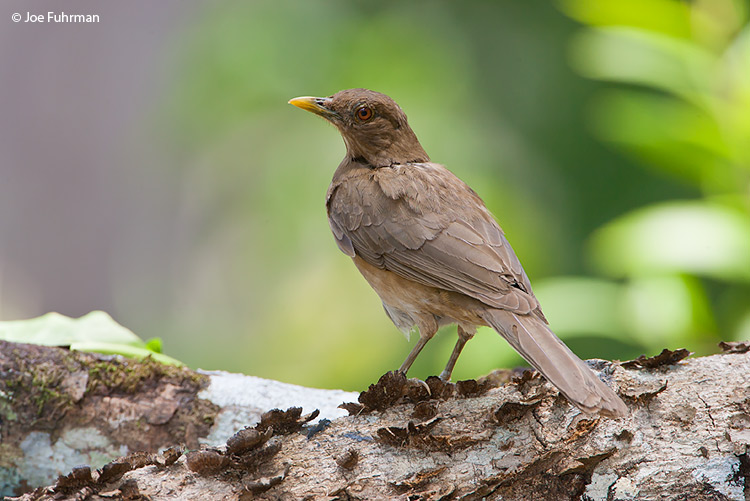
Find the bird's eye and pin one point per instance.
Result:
(364, 113)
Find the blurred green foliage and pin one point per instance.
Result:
(679, 103)
(628, 253)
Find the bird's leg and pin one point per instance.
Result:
(463, 337)
(426, 331)
(413, 354)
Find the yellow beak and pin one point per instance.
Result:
(317, 105)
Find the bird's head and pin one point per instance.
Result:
(374, 127)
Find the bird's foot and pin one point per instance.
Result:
(418, 384)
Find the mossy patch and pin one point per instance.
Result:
(130, 376)
(143, 405)
(32, 387)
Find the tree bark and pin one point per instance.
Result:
(686, 437)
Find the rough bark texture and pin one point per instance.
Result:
(61, 408)
(686, 437)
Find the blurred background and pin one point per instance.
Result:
(151, 167)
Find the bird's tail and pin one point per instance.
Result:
(534, 340)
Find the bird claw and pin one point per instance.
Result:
(416, 382)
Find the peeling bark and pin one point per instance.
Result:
(686, 437)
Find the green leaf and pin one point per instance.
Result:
(664, 16)
(54, 329)
(95, 331)
(650, 312)
(639, 57)
(125, 350)
(734, 86)
(154, 344)
(677, 237)
(673, 135)
(664, 310)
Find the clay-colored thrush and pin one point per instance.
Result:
(430, 248)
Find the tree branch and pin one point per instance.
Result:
(686, 437)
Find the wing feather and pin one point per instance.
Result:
(423, 223)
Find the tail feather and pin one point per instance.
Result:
(534, 340)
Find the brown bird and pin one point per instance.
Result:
(432, 251)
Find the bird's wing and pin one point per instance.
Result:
(423, 223)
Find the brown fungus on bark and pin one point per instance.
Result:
(419, 479)
(511, 411)
(440, 389)
(420, 436)
(353, 408)
(255, 458)
(348, 460)
(206, 461)
(734, 346)
(129, 490)
(113, 470)
(665, 358)
(247, 439)
(263, 484)
(425, 410)
(385, 393)
(78, 478)
(285, 422)
(171, 455)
